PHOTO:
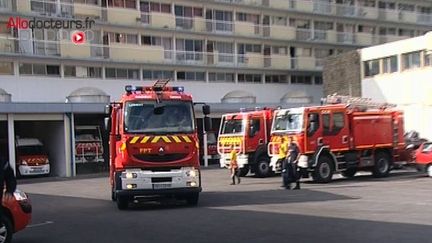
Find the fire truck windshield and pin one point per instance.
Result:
(290, 122)
(175, 117)
(232, 126)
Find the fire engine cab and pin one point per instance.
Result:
(248, 132)
(154, 144)
(345, 134)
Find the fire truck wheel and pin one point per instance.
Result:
(244, 171)
(6, 230)
(382, 165)
(192, 199)
(324, 169)
(349, 173)
(262, 168)
(122, 202)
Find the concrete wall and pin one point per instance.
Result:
(56, 89)
(342, 74)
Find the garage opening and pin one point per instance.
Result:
(91, 144)
(40, 148)
(4, 148)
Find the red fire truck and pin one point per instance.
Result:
(248, 132)
(154, 144)
(346, 134)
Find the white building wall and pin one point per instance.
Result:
(47, 89)
(410, 89)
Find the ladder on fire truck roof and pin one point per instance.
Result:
(160, 84)
(355, 102)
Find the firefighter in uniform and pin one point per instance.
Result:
(233, 166)
(283, 149)
(292, 160)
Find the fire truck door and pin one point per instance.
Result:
(313, 131)
(335, 129)
(255, 133)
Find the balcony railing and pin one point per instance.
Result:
(153, 54)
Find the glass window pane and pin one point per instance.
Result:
(39, 69)
(110, 72)
(69, 71)
(25, 68)
(6, 68)
(147, 74)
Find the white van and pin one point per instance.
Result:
(32, 159)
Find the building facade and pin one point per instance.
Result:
(400, 73)
(228, 53)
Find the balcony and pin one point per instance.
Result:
(364, 39)
(7, 44)
(324, 36)
(86, 10)
(277, 61)
(158, 20)
(71, 50)
(5, 5)
(279, 32)
(193, 24)
(135, 53)
(123, 16)
(246, 28)
(217, 26)
(306, 63)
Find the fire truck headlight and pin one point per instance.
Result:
(130, 175)
(24, 162)
(191, 172)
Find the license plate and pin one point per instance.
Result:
(36, 170)
(161, 186)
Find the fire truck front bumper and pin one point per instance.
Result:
(137, 182)
(242, 160)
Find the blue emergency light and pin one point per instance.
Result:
(179, 89)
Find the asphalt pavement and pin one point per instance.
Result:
(364, 209)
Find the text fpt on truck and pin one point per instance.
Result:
(154, 144)
(248, 132)
(345, 135)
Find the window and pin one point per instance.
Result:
(428, 59)
(313, 123)
(191, 76)
(318, 80)
(299, 79)
(390, 64)
(338, 122)
(221, 77)
(282, 21)
(411, 60)
(166, 42)
(4, 29)
(147, 7)
(246, 17)
(276, 79)
(406, 7)
(371, 68)
(119, 73)
(255, 126)
(386, 5)
(157, 74)
(326, 124)
(122, 3)
(366, 3)
(6, 68)
(123, 38)
(39, 69)
(406, 32)
(82, 72)
(280, 50)
(249, 78)
(46, 6)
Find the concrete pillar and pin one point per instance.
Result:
(11, 140)
(69, 137)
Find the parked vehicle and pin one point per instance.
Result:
(32, 158)
(249, 133)
(88, 144)
(154, 144)
(212, 152)
(17, 215)
(423, 158)
(345, 135)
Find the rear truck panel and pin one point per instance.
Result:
(365, 127)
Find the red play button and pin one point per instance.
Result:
(78, 37)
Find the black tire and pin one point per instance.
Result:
(6, 230)
(349, 173)
(244, 171)
(122, 202)
(262, 167)
(324, 170)
(192, 199)
(382, 165)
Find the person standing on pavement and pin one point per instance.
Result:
(233, 166)
(292, 160)
(283, 150)
(7, 177)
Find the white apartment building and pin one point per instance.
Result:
(400, 73)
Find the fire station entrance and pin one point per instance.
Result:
(91, 144)
(39, 145)
(4, 151)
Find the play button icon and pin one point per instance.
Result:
(78, 37)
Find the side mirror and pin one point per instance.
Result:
(410, 146)
(108, 109)
(107, 124)
(159, 109)
(206, 110)
(207, 124)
